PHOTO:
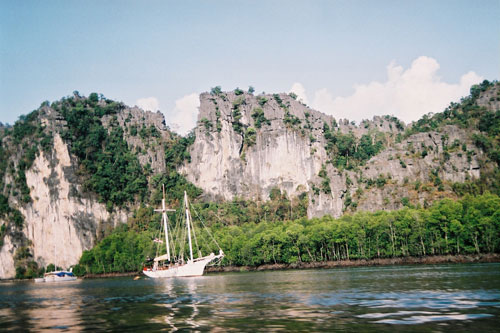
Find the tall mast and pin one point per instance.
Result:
(188, 222)
(165, 225)
(55, 256)
(164, 211)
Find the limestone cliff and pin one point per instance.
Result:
(246, 145)
(52, 207)
(59, 218)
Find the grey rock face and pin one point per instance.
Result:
(62, 220)
(289, 154)
(245, 146)
(150, 149)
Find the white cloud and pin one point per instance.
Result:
(185, 114)
(300, 91)
(407, 94)
(148, 104)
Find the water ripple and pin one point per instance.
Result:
(424, 319)
(347, 299)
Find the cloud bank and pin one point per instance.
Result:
(407, 93)
(184, 114)
(299, 90)
(148, 103)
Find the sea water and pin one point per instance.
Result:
(437, 298)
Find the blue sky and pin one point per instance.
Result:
(342, 57)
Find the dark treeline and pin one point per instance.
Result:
(467, 226)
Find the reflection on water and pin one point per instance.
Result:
(410, 298)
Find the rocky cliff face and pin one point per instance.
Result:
(62, 219)
(246, 145)
(224, 165)
(59, 224)
(149, 148)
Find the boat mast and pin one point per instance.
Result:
(164, 211)
(188, 222)
(165, 218)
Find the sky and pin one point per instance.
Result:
(351, 59)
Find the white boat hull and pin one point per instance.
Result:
(195, 268)
(59, 279)
(53, 277)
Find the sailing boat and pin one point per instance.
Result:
(57, 276)
(165, 266)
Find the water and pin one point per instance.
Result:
(434, 298)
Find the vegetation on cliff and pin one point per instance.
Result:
(482, 122)
(108, 165)
(24, 141)
(279, 232)
(110, 169)
(467, 226)
(346, 151)
(276, 231)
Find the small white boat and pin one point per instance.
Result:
(57, 276)
(165, 266)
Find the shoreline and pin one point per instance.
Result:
(427, 260)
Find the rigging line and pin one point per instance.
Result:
(196, 240)
(208, 230)
(177, 233)
(172, 245)
(180, 234)
(158, 237)
(183, 233)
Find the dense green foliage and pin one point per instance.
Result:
(346, 151)
(114, 254)
(291, 120)
(216, 91)
(262, 100)
(110, 168)
(469, 114)
(253, 232)
(484, 125)
(325, 183)
(28, 135)
(26, 267)
(467, 226)
(122, 251)
(207, 124)
(465, 114)
(280, 207)
(259, 118)
(107, 165)
(175, 185)
(4, 158)
(236, 113)
(250, 136)
(176, 151)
